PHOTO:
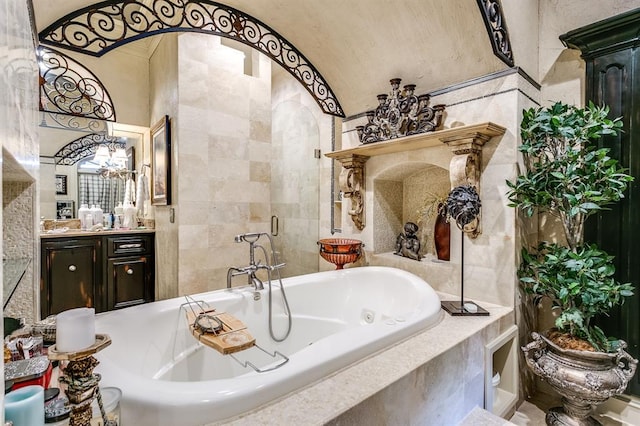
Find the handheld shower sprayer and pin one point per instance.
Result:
(251, 237)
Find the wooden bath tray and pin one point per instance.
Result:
(232, 337)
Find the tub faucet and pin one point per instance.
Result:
(253, 266)
(250, 271)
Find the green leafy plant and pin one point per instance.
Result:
(568, 176)
(431, 206)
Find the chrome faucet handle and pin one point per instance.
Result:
(240, 271)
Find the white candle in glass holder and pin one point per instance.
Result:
(75, 329)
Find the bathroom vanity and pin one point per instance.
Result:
(104, 270)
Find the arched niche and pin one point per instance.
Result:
(400, 193)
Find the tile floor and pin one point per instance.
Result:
(532, 412)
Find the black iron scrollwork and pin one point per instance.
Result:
(72, 122)
(84, 147)
(401, 113)
(67, 87)
(497, 28)
(97, 29)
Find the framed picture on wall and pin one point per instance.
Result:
(61, 184)
(161, 163)
(65, 209)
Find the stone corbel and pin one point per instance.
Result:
(352, 185)
(465, 167)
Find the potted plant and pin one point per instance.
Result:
(566, 175)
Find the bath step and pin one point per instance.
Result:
(481, 417)
(228, 334)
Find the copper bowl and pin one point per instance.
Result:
(340, 251)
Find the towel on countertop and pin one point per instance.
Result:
(142, 192)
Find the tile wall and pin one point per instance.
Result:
(20, 151)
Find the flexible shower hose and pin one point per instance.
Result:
(274, 261)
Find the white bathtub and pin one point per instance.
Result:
(339, 317)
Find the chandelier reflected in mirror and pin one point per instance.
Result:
(400, 113)
(112, 164)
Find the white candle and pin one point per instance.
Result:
(75, 329)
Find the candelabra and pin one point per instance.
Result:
(82, 383)
(401, 113)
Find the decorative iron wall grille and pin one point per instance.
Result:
(497, 28)
(72, 122)
(67, 87)
(99, 28)
(84, 147)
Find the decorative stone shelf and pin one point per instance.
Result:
(465, 142)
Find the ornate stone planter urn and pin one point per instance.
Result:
(583, 378)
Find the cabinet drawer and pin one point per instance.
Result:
(128, 245)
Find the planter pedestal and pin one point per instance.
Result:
(584, 379)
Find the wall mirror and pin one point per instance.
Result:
(83, 182)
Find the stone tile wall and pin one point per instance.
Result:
(20, 152)
(224, 151)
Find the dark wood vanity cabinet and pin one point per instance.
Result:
(104, 272)
(130, 271)
(71, 275)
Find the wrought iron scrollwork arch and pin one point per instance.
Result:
(84, 147)
(67, 87)
(99, 28)
(497, 28)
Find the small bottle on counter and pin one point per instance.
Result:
(129, 216)
(106, 221)
(88, 221)
(116, 221)
(82, 215)
(97, 214)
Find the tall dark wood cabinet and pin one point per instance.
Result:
(610, 49)
(104, 272)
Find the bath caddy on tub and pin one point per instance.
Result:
(224, 333)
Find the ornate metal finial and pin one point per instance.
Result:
(401, 113)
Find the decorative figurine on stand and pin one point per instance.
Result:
(407, 243)
(463, 207)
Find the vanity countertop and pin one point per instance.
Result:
(79, 233)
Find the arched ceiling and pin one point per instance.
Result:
(358, 45)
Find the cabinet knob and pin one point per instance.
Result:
(72, 268)
(130, 271)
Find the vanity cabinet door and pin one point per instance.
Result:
(70, 276)
(129, 281)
